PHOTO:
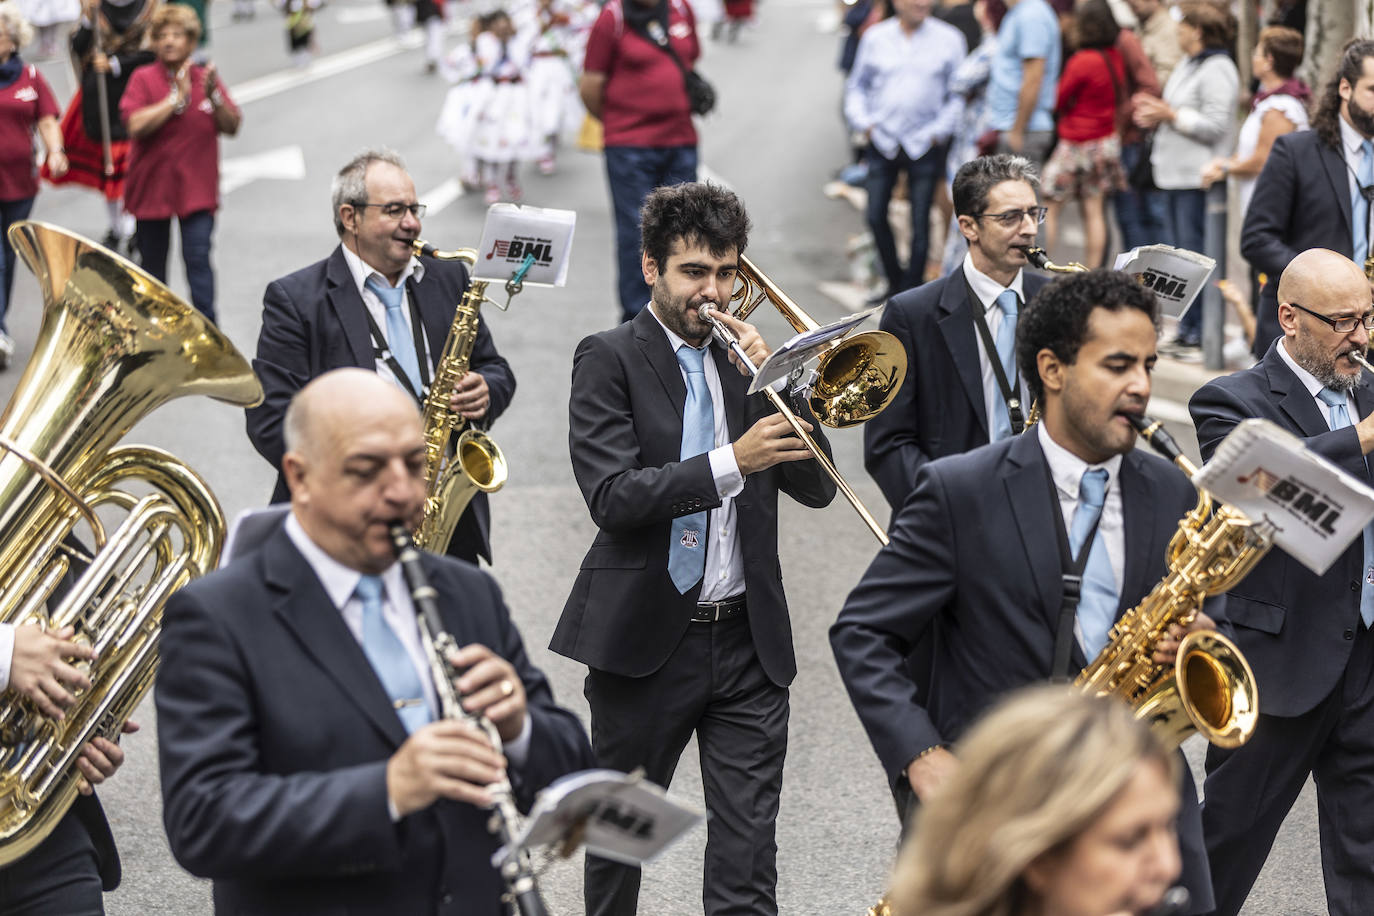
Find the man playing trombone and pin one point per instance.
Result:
(678, 611)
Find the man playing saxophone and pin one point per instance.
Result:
(373, 304)
(303, 767)
(1307, 637)
(984, 547)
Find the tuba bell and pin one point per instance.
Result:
(113, 346)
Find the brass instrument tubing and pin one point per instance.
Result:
(54, 480)
(728, 338)
(1359, 359)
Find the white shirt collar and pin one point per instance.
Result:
(339, 581)
(362, 272)
(674, 339)
(1067, 468)
(1351, 140)
(987, 289)
(1308, 380)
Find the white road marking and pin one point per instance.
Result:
(263, 87)
(285, 163)
(436, 200)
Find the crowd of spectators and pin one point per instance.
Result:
(1128, 108)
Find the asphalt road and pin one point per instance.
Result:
(775, 138)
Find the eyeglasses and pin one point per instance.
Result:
(1341, 325)
(1013, 218)
(397, 210)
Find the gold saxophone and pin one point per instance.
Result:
(476, 463)
(114, 345)
(1209, 688)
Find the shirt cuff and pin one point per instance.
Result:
(114, 65)
(518, 751)
(6, 653)
(725, 470)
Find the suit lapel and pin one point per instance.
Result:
(349, 311)
(653, 343)
(436, 315)
(1333, 162)
(956, 327)
(1292, 395)
(734, 389)
(303, 606)
(1142, 542)
(1028, 490)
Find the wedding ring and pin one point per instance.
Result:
(507, 688)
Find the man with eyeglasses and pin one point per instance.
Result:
(375, 305)
(959, 333)
(1307, 637)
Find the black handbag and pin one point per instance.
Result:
(1142, 174)
(701, 95)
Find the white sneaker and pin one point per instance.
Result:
(6, 350)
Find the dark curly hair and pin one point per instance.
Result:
(699, 213)
(1057, 318)
(1326, 121)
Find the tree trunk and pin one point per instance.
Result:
(1330, 24)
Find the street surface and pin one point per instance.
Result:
(775, 138)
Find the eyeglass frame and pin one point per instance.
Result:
(417, 210)
(1035, 213)
(1367, 319)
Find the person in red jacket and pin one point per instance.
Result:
(1086, 164)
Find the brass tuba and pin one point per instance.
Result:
(1210, 687)
(114, 345)
(476, 463)
(855, 379)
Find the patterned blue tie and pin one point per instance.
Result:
(1006, 344)
(687, 549)
(398, 336)
(1359, 207)
(1097, 605)
(389, 657)
(1339, 416)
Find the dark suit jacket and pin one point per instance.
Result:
(939, 410)
(274, 734)
(624, 615)
(1301, 201)
(1296, 628)
(314, 320)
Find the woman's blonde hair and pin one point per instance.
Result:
(177, 15)
(1033, 774)
(15, 25)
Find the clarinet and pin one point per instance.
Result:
(517, 872)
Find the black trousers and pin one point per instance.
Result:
(61, 875)
(713, 685)
(1250, 790)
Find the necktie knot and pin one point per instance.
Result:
(369, 589)
(391, 296)
(1092, 489)
(1331, 398)
(1008, 303)
(691, 359)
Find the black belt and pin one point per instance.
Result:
(712, 611)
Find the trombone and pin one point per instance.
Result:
(727, 337)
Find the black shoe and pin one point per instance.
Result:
(880, 297)
(110, 240)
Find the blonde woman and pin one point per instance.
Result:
(1062, 805)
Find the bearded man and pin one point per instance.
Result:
(1307, 637)
(1315, 187)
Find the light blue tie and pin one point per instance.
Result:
(1006, 344)
(687, 549)
(1336, 410)
(398, 335)
(1097, 604)
(1359, 207)
(389, 658)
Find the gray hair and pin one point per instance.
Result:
(977, 177)
(350, 185)
(15, 25)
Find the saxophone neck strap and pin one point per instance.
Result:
(1010, 396)
(381, 349)
(1070, 579)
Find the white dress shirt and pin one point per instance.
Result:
(987, 290)
(1352, 146)
(724, 576)
(1067, 469)
(6, 654)
(361, 273)
(398, 611)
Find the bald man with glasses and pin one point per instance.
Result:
(373, 304)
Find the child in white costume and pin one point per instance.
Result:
(555, 61)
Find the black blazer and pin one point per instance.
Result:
(624, 614)
(1301, 201)
(274, 734)
(314, 320)
(939, 410)
(1295, 627)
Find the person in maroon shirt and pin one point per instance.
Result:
(26, 105)
(175, 111)
(637, 91)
